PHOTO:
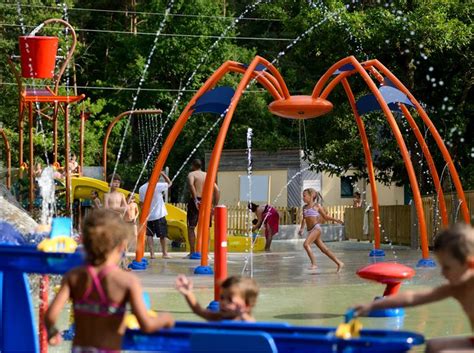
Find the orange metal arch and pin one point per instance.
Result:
(274, 85)
(9, 158)
(430, 162)
(206, 202)
(424, 147)
(368, 162)
(436, 136)
(111, 126)
(405, 155)
(165, 150)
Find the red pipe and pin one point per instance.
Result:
(43, 307)
(220, 248)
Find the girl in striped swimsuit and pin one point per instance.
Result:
(313, 215)
(100, 290)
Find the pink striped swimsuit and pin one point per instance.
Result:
(102, 307)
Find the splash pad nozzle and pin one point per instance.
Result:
(300, 107)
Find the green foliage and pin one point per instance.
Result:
(426, 44)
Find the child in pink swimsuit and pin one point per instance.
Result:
(100, 290)
(266, 216)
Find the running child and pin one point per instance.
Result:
(454, 249)
(238, 296)
(313, 215)
(100, 290)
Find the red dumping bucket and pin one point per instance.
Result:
(38, 56)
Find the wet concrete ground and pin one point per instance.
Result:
(290, 292)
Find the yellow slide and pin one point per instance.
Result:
(176, 218)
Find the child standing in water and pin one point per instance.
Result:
(313, 215)
(100, 290)
(238, 296)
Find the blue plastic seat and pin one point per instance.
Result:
(230, 341)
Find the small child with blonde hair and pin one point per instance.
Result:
(238, 296)
(100, 290)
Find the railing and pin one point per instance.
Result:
(238, 216)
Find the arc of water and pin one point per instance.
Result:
(140, 83)
(182, 89)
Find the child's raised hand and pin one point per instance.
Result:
(184, 285)
(55, 340)
(362, 309)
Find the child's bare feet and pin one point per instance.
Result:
(340, 265)
(313, 267)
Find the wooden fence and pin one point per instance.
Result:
(398, 223)
(238, 217)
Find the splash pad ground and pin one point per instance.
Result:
(291, 293)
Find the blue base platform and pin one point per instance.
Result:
(138, 265)
(230, 336)
(203, 270)
(428, 263)
(377, 253)
(214, 306)
(195, 256)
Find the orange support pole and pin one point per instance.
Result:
(430, 162)
(67, 175)
(437, 138)
(220, 248)
(31, 195)
(165, 150)
(8, 152)
(405, 155)
(368, 162)
(206, 202)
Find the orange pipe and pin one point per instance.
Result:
(430, 162)
(31, 168)
(165, 150)
(67, 175)
(276, 73)
(368, 161)
(267, 81)
(206, 202)
(9, 158)
(405, 155)
(422, 142)
(109, 131)
(322, 81)
(436, 136)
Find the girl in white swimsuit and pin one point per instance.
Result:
(313, 214)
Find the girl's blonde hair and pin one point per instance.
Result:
(103, 230)
(315, 195)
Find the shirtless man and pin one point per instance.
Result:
(196, 179)
(114, 199)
